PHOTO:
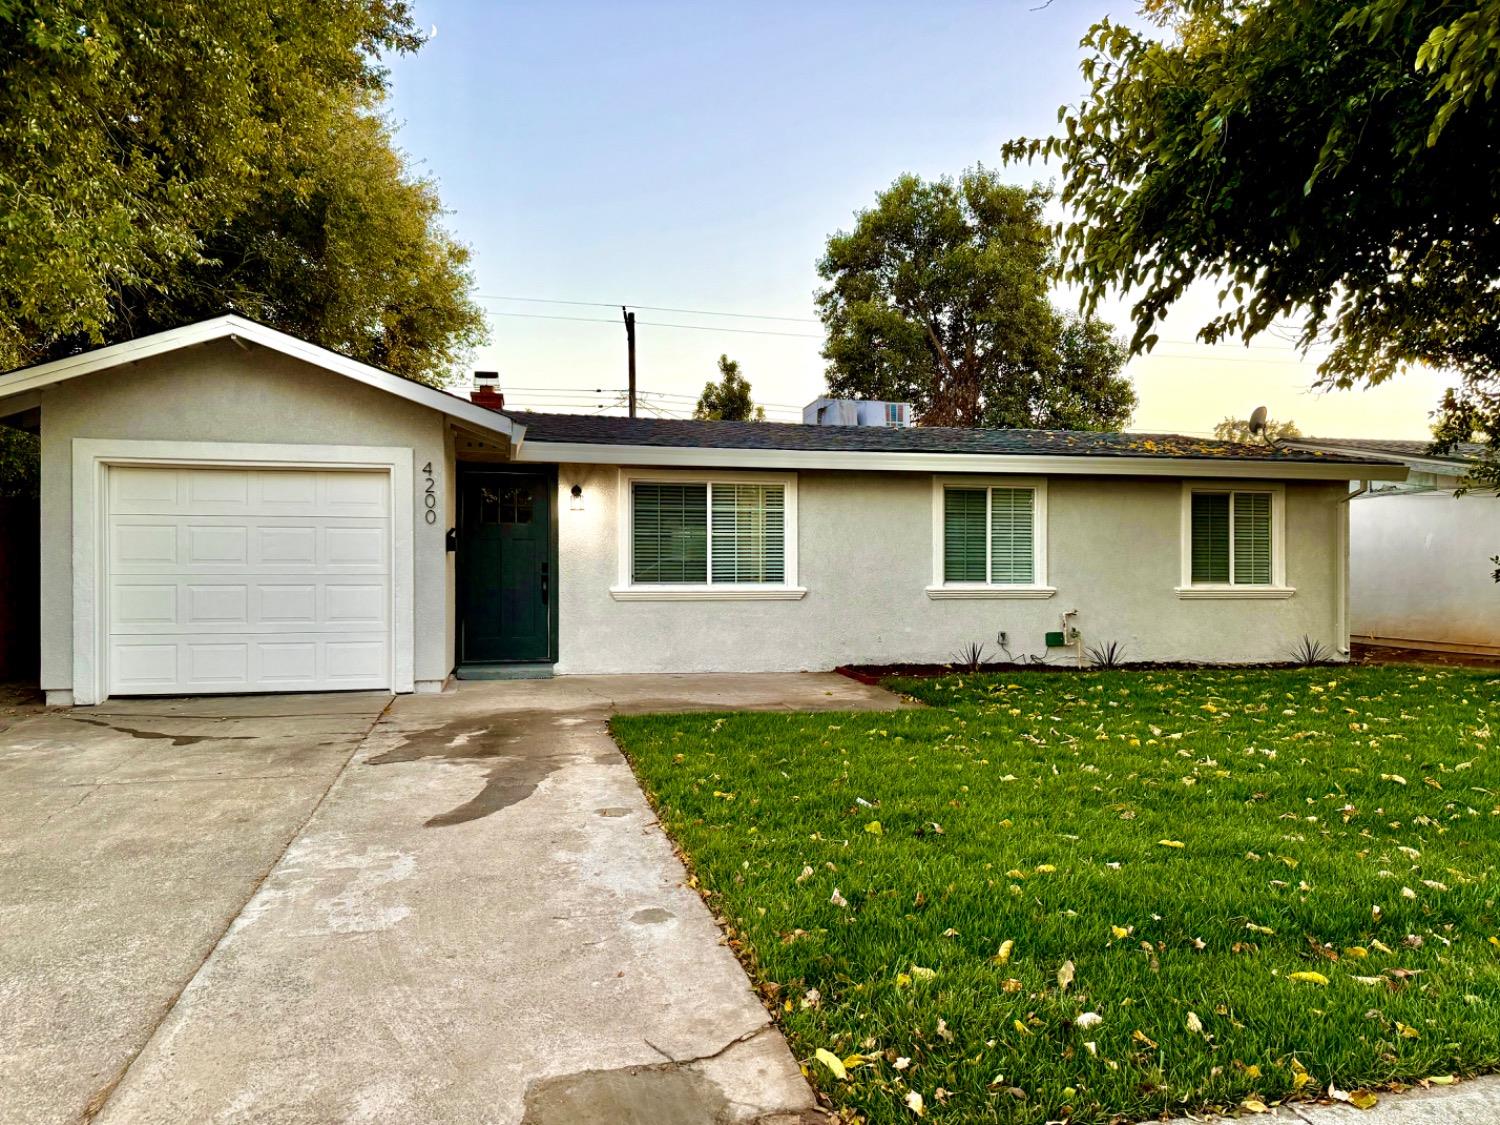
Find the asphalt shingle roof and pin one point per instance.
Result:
(597, 429)
(1464, 451)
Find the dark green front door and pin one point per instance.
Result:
(504, 580)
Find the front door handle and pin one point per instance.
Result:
(545, 576)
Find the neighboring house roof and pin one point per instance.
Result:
(600, 438)
(1392, 449)
(248, 332)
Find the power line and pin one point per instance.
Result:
(649, 308)
(660, 324)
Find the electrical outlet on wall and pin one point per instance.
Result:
(1003, 638)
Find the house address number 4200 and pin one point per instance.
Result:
(429, 496)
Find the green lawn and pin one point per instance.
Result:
(1187, 841)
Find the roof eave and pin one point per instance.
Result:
(1423, 463)
(706, 457)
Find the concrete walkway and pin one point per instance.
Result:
(452, 908)
(1476, 1102)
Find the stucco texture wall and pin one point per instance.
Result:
(221, 392)
(1419, 570)
(865, 546)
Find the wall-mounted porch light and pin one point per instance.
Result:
(577, 494)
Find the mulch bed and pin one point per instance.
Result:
(1381, 654)
(874, 673)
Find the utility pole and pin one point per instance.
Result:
(630, 345)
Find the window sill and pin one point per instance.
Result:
(944, 593)
(707, 593)
(1262, 593)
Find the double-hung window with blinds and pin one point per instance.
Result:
(989, 536)
(707, 533)
(1231, 538)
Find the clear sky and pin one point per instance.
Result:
(695, 156)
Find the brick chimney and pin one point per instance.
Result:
(486, 392)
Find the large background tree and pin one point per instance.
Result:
(939, 297)
(1332, 163)
(162, 161)
(728, 399)
(1238, 429)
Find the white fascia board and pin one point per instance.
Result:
(237, 328)
(1421, 463)
(697, 457)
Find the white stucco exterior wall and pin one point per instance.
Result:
(220, 392)
(866, 559)
(1420, 572)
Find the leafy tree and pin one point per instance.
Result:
(1238, 429)
(939, 297)
(728, 400)
(19, 463)
(1323, 161)
(166, 160)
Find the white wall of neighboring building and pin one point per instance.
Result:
(865, 558)
(1419, 569)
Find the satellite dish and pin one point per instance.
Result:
(1258, 422)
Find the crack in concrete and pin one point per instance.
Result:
(737, 1041)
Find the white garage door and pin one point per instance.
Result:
(235, 580)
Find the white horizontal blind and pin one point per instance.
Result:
(963, 535)
(1012, 543)
(669, 542)
(748, 541)
(1252, 538)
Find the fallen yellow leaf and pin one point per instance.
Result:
(834, 1064)
(1171, 843)
(1308, 977)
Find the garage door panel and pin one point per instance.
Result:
(218, 490)
(362, 547)
(355, 660)
(143, 546)
(286, 604)
(217, 546)
(146, 605)
(143, 491)
(355, 494)
(195, 604)
(139, 668)
(248, 580)
(287, 546)
(224, 605)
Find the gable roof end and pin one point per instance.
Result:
(248, 331)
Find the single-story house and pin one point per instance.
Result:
(226, 508)
(1419, 553)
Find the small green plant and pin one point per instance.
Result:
(1308, 652)
(1110, 655)
(970, 657)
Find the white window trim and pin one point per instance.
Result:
(92, 459)
(941, 590)
(1277, 588)
(626, 590)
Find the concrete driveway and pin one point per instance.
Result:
(343, 908)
